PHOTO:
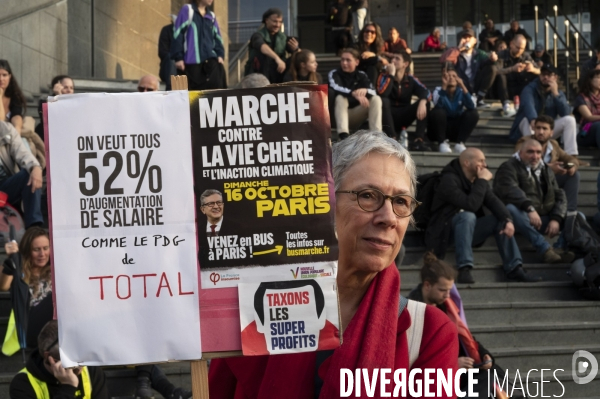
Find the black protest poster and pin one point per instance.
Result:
(264, 190)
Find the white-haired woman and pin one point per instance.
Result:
(375, 188)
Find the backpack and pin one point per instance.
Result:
(426, 187)
(580, 236)
(591, 288)
(9, 216)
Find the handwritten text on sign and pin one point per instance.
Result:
(124, 239)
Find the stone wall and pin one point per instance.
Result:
(125, 37)
(33, 38)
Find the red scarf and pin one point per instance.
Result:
(464, 335)
(370, 338)
(593, 103)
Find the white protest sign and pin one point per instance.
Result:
(289, 316)
(123, 229)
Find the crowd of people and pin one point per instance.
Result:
(531, 193)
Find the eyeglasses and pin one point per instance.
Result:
(142, 89)
(371, 200)
(372, 32)
(213, 204)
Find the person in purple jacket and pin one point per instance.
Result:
(197, 46)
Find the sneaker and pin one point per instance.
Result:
(445, 147)
(482, 104)
(508, 111)
(143, 389)
(343, 136)
(180, 393)
(464, 275)
(551, 257)
(459, 147)
(521, 275)
(419, 145)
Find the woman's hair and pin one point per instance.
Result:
(13, 91)
(347, 152)
(379, 43)
(59, 78)
(25, 248)
(586, 84)
(434, 30)
(298, 58)
(433, 269)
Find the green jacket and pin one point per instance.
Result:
(257, 62)
(514, 184)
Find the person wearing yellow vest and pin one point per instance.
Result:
(44, 377)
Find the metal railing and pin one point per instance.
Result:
(235, 62)
(571, 54)
(240, 31)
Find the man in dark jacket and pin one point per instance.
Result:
(45, 377)
(542, 97)
(167, 65)
(457, 214)
(562, 164)
(397, 87)
(540, 56)
(489, 36)
(537, 205)
(515, 29)
(515, 69)
(353, 96)
(475, 67)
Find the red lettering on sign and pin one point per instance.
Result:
(101, 278)
(163, 277)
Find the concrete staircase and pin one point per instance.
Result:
(525, 326)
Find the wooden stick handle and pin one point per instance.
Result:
(199, 371)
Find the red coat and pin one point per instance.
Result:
(364, 346)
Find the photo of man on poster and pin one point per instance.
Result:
(212, 206)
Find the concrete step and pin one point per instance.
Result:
(519, 312)
(483, 255)
(491, 273)
(531, 334)
(493, 292)
(538, 357)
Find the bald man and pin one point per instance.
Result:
(537, 205)
(515, 69)
(148, 83)
(458, 216)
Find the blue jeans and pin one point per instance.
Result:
(523, 226)
(17, 190)
(471, 231)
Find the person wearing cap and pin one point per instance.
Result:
(489, 36)
(515, 69)
(540, 56)
(515, 29)
(269, 47)
(542, 97)
(475, 67)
